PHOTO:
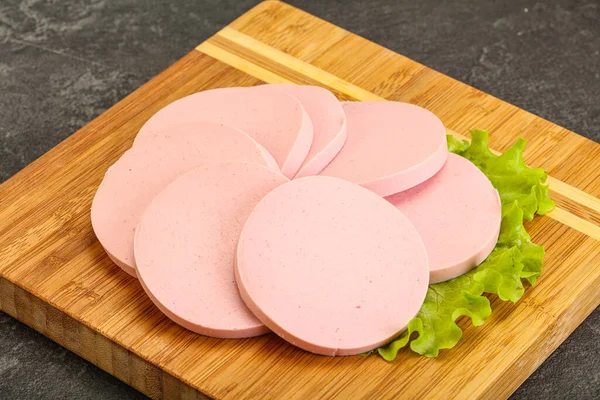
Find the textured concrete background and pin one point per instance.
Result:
(62, 63)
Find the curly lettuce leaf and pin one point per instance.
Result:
(514, 258)
(444, 304)
(509, 174)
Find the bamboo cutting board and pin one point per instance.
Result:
(56, 278)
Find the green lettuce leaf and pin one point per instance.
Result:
(514, 258)
(509, 174)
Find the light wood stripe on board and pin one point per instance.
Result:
(221, 47)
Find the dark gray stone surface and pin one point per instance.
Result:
(62, 63)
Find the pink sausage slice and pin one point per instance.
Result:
(143, 171)
(275, 120)
(330, 266)
(185, 245)
(457, 213)
(329, 124)
(390, 147)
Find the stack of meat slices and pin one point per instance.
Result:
(278, 208)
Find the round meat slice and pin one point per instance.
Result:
(457, 213)
(143, 171)
(329, 124)
(330, 266)
(390, 147)
(185, 245)
(276, 120)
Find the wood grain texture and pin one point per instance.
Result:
(274, 66)
(55, 277)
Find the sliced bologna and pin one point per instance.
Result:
(457, 213)
(185, 245)
(390, 146)
(329, 124)
(326, 275)
(143, 171)
(276, 120)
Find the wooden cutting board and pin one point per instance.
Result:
(56, 278)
